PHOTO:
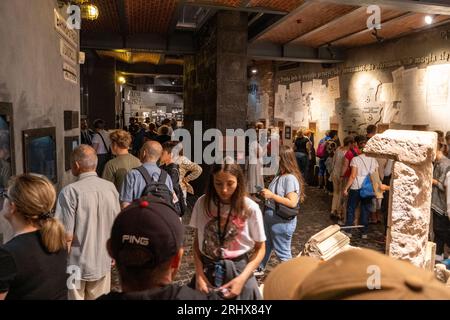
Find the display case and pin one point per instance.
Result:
(39, 148)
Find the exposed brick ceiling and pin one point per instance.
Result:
(149, 16)
(313, 24)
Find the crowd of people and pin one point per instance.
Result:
(124, 214)
(344, 170)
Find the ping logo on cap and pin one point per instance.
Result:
(135, 240)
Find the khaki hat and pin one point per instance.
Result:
(359, 274)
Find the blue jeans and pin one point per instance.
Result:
(279, 233)
(302, 162)
(353, 200)
(322, 168)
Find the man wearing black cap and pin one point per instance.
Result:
(147, 244)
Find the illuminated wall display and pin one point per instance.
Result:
(409, 91)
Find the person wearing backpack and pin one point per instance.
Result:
(168, 164)
(353, 151)
(322, 153)
(148, 178)
(361, 169)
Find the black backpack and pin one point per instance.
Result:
(158, 188)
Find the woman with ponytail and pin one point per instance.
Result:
(33, 262)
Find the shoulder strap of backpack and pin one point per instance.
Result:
(145, 174)
(366, 165)
(162, 176)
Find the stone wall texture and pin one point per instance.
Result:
(410, 202)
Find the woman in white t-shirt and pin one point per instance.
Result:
(361, 166)
(229, 237)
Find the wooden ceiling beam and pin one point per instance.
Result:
(278, 21)
(441, 7)
(331, 25)
(366, 30)
(177, 43)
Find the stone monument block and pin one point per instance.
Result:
(410, 196)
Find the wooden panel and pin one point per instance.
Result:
(310, 18)
(132, 57)
(354, 21)
(149, 16)
(391, 29)
(282, 5)
(108, 18)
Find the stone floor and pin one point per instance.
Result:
(315, 217)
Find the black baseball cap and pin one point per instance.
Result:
(148, 226)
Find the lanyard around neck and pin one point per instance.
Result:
(219, 231)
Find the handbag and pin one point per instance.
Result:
(283, 211)
(366, 189)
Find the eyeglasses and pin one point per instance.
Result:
(4, 194)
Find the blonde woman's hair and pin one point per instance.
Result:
(299, 133)
(288, 165)
(34, 197)
(121, 138)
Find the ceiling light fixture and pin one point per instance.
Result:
(429, 19)
(89, 12)
(254, 70)
(121, 80)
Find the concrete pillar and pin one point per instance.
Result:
(100, 85)
(216, 77)
(410, 196)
